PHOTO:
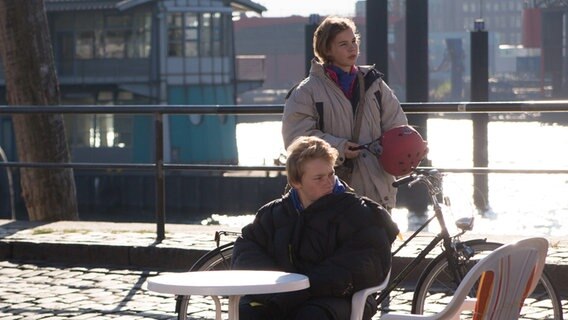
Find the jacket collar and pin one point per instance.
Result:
(318, 69)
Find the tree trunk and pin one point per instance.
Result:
(25, 48)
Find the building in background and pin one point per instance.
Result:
(516, 68)
(140, 52)
(281, 40)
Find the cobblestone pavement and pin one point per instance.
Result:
(54, 292)
(50, 292)
(41, 289)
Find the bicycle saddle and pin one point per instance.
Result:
(465, 223)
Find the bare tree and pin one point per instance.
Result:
(26, 52)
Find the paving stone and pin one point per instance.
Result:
(47, 284)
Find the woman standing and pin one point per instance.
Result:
(346, 105)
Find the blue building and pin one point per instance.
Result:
(139, 52)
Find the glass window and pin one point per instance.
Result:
(191, 34)
(115, 44)
(174, 20)
(175, 35)
(139, 40)
(175, 49)
(191, 20)
(216, 34)
(174, 40)
(205, 37)
(101, 130)
(84, 47)
(99, 44)
(191, 49)
(147, 34)
(132, 48)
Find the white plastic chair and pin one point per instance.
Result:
(359, 298)
(509, 273)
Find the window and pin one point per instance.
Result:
(99, 44)
(191, 34)
(216, 35)
(138, 42)
(175, 35)
(114, 36)
(115, 41)
(205, 39)
(194, 34)
(85, 45)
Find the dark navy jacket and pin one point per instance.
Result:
(342, 242)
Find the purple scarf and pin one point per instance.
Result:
(344, 80)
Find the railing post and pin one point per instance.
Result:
(480, 92)
(160, 178)
(417, 89)
(377, 42)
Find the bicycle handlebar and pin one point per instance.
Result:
(404, 181)
(418, 174)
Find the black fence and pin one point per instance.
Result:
(144, 186)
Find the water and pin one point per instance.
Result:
(521, 204)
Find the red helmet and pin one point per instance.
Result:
(403, 149)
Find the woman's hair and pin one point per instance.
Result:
(304, 149)
(326, 33)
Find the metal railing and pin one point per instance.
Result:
(159, 167)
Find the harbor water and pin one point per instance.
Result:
(520, 204)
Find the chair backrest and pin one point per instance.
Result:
(508, 275)
(359, 298)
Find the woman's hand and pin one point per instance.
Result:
(349, 153)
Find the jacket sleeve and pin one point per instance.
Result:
(392, 114)
(300, 118)
(361, 260)
(250, 250)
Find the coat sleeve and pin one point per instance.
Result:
(300, 118)
(250, 251)
(362, 259)
(392, 114)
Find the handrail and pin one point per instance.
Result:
(408, 107)
(216, 167)
(160, 110)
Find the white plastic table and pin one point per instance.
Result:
(231, 283)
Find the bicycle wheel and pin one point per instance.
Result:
(216, 259)
(435, 287)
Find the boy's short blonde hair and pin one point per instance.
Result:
(304, 149)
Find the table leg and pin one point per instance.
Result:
(218, 308)
(234, 307)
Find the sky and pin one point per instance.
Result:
(284, 8)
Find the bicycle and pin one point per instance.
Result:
(442, 274)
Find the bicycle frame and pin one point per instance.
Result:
(443, 236)
(455, 253)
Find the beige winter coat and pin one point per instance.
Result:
(301, 119)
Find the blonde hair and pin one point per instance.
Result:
(326, 33)
(304, 149)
